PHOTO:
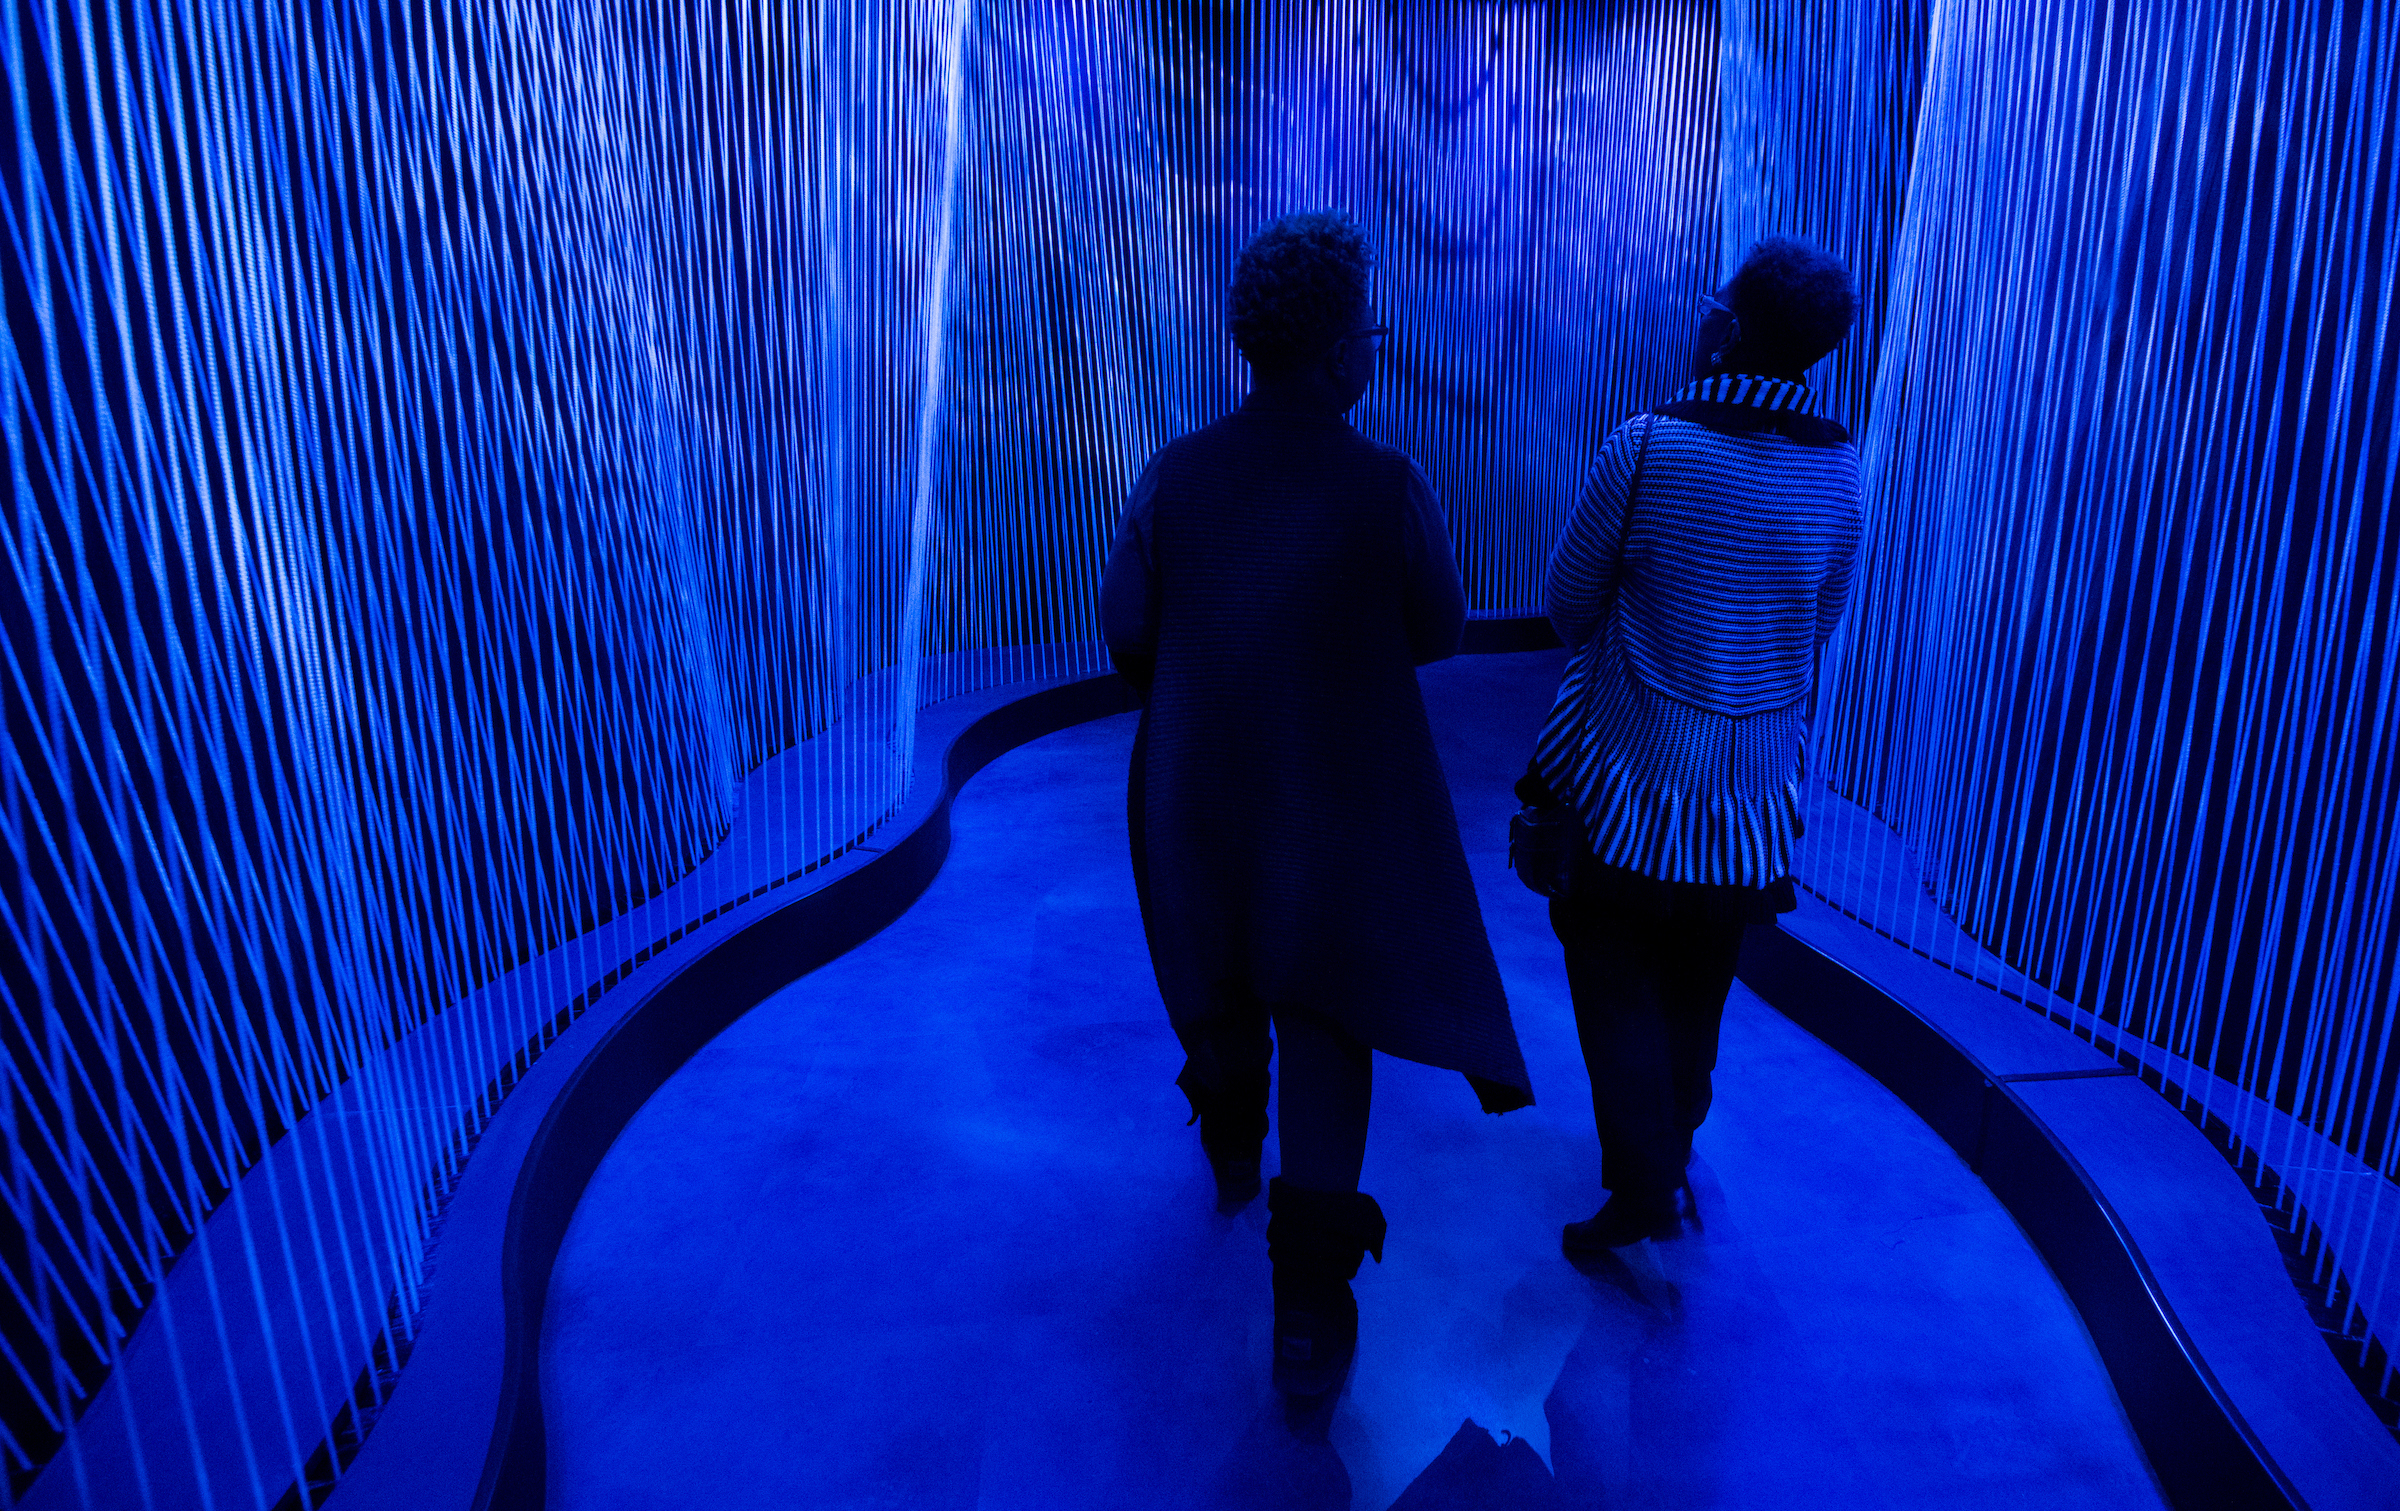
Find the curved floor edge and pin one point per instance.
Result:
(463, 1425)
(2042, 1124)
(643, 1049)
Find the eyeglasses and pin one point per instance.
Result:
(1707, 309)
(1373, 335)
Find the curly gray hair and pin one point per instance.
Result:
(1298, 286)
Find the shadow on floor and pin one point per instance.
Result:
(1284, 1463)
(1475, 1473)
(1281, 1465)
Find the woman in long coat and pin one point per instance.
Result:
(1275, 583)
(1707, 559)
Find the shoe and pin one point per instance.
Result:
(1316, 1240)
(1628, 1220)
(1233, 1132)
(1233, 1139)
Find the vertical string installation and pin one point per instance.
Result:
(489, 484)
(2113, 725)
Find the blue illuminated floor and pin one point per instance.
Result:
(927, 1230)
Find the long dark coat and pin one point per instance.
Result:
(1275, 583)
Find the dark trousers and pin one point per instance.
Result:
(1649, 989)
(1323, 1082)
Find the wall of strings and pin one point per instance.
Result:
(481, 473)
(2113, 723)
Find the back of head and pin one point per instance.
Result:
(1298, 287)
(1795, 301)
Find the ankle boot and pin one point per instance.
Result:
(1233, 1131)
(1316, 1240)
(1628, 1218)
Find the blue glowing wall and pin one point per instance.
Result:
(2123, 666)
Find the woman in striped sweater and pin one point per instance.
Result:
(1706, 560)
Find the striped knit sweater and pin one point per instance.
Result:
(1695, 603)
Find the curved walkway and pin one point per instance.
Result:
(926, 1230)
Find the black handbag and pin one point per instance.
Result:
(1545, 841)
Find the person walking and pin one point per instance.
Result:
(1274, 583)
(1706, 561)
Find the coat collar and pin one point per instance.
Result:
(1770, 394)
(1747, 404)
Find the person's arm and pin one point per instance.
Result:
(1129, 589)
(1833, 593)
(1433, 606)
(1582, 580)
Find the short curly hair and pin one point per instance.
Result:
(1298, 286)
(1795, 301)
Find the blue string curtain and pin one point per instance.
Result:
(1540, 184)
(432, 486)
(2119, 686)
